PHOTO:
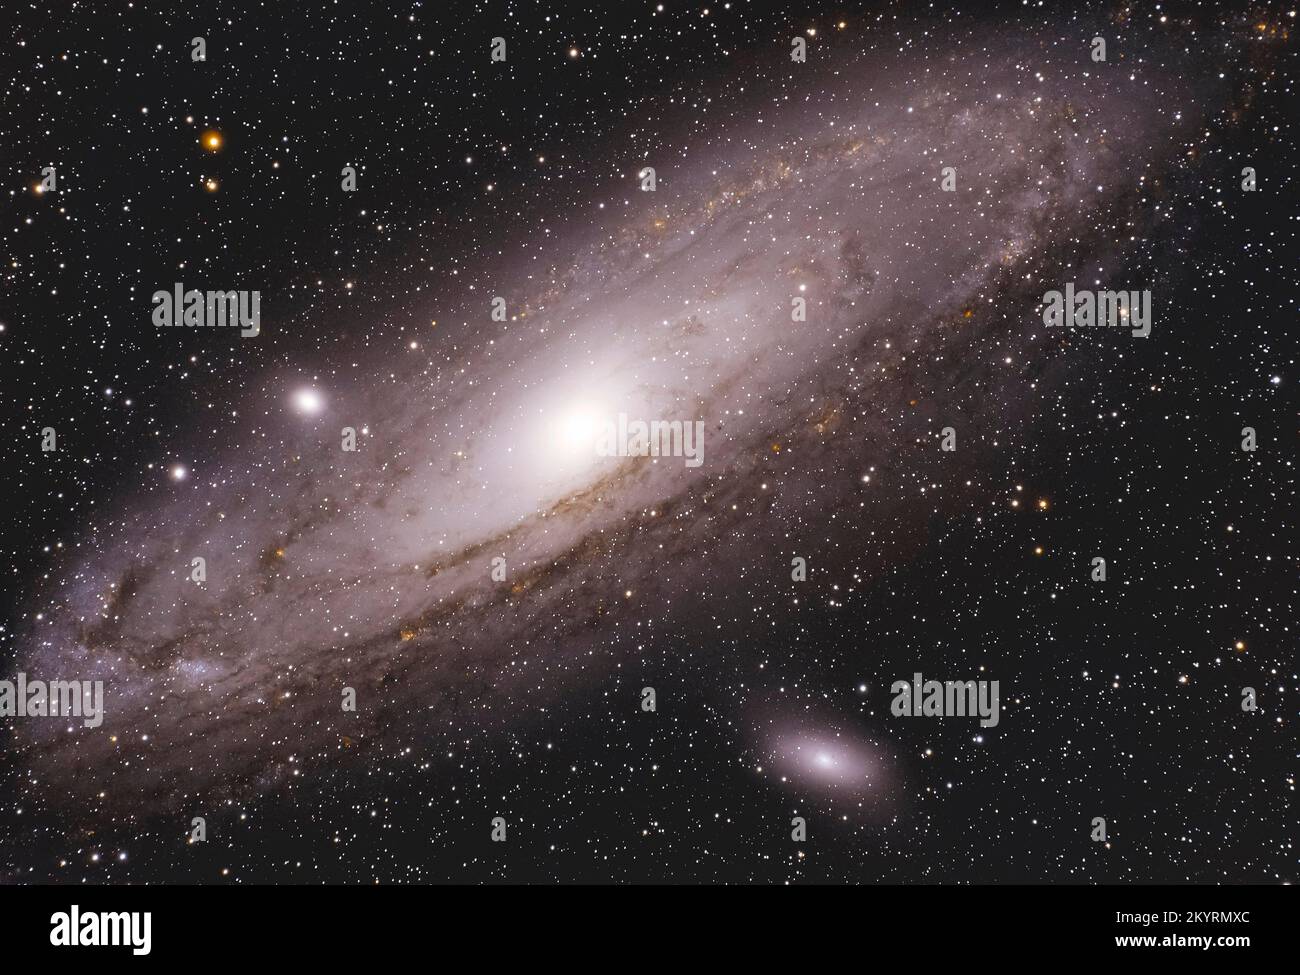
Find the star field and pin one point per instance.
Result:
(392, 491)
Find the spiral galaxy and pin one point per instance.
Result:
(388, 560)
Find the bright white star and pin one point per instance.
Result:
(308, 402)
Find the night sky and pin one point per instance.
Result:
(498, 595)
